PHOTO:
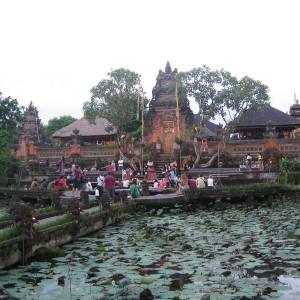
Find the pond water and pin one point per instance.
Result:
(240, 253)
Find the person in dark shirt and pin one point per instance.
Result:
(109, 182)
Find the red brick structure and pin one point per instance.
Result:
(168, 117)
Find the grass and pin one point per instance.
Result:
(8, 233)
(65, 219)
(117, 204)
(96, 211)
(5, 217)
(47, 209)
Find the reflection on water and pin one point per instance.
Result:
(294, 283)
(242, 252)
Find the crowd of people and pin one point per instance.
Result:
(58, 184)
(130, 180)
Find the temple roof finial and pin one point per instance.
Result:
(168, 68)
(295, 99)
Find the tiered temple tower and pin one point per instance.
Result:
(169, 115)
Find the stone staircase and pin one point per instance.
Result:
(163, 158)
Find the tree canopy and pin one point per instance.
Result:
(57, 123)
(115, 99)
(11, 114)
(222, 96)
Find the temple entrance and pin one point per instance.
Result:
(168, 136)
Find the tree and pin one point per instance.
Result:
(58, 123)
(286, 165)
(221, 95)
(236, 98)
(201, 84)
(11, 114)
(115, 99)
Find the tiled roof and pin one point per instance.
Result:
(85, 128)
(210, 129)
(266, 114)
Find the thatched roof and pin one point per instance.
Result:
(85, 128)
(267, 114)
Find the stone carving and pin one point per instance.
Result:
(21, 215)
(105, 201)
(169, 116)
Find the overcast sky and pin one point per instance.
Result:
(52, 52)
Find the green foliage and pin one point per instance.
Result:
(58, 123)
(218, 93)
(44, 210)
(201, 84)
(289, 178)
(10, 117)
(5, 217)
(10, 114)
(236, 97)
(99, 249)
(286, 165)
(115, 99)
(8, 233)
(60, 221)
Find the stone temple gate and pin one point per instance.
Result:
(169, 115)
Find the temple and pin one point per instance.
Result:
(168, 117)
(167, 122)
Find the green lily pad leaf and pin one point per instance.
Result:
(147, 280)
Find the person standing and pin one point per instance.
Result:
(260, 161)
(120, 164)
(164, 170)
(100, 183)
(113, 165)
(249, 162)
(77, 181)
(172, 175)
(109, 182)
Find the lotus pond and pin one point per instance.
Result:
(240, 253)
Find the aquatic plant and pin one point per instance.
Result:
(241, 253)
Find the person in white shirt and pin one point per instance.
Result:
(120, 164)
(155, 184)
(100, 182)
(89, 186)
(125, 183)
(210, 182)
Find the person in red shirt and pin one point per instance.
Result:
(109, 182)
(60, 184)
(192, 182)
